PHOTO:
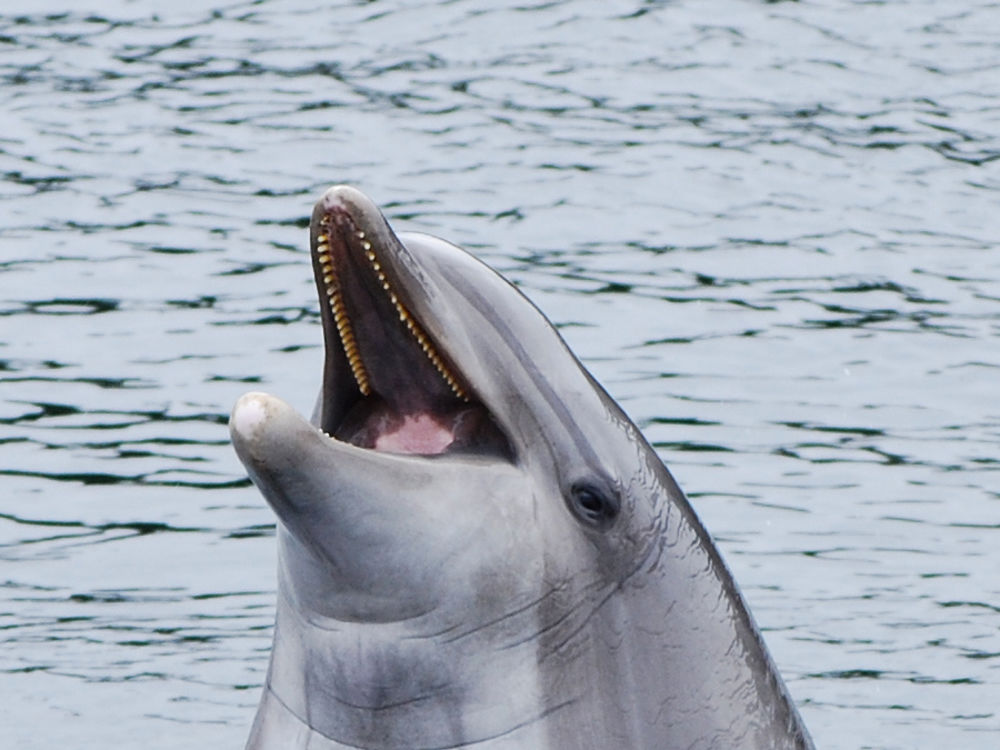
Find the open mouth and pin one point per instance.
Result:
(387, 385)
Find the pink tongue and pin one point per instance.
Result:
(415, 433)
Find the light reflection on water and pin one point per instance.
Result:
(766, 227)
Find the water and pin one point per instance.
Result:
(768, 228)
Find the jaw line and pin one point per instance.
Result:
(356, 523)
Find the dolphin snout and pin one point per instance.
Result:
(249, 413)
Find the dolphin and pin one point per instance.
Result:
(476, 547)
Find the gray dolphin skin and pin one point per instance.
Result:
(477, 548)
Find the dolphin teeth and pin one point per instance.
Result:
(343, 323)
(336, 302)
(349, 343)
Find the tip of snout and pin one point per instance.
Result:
(343, 197)
(265, 428)
(248, 415)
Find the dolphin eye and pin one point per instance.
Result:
(592, 505)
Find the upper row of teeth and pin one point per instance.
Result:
(336, 301)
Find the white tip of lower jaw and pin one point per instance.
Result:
(249, 413)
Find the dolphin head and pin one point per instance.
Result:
(469, 525)
(449, 409)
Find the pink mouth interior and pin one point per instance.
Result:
(414, 433)
(376, 425)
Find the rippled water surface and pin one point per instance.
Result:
(768, 227)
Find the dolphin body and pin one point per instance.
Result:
(477, 548)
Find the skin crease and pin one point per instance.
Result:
(541, 583)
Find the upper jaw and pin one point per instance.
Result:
(387, 384)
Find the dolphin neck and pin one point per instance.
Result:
(364, 687)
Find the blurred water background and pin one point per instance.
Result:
(769, 228)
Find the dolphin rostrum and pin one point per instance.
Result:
(477, 548)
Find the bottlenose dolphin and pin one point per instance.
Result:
(477, 548)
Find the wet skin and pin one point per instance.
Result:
(477, 548)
